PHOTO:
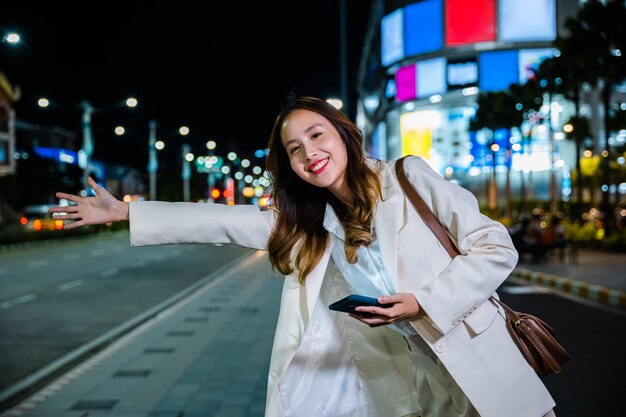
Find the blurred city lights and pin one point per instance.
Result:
(189, 157)
(43, 102)
(119, 130)
(257, 170)
(231, 156)
(225, 169)
(495, 147)
(238, 175)
(211, 145)
(587, 153)
(568, 128)
(435, 99)
(469, 91)
(183, 130)
(159, 145)
(245, 163)
(132, 102)
(516, 147)
(248, 179)
(335, 102)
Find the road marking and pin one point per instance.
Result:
(20, 300)
(109, 272)
(38, 264)
(138, 264)
(97, 252)
(525, 289)
(71, 257)
(71, 284)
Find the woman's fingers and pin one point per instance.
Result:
(73, 225)
(70, 197)
(63, 209)
(71, 216)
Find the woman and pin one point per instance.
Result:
(341, 224)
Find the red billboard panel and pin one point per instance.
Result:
(469, 21)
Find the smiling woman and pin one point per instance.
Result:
(340, 225)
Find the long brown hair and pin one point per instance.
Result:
(300, 206)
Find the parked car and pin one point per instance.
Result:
(36, 218)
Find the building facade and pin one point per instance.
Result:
(424, 64)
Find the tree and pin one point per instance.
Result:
(599, 31)
(497, 110)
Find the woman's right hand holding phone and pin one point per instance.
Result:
(100, 209)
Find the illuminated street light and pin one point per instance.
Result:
(568, 128)
(210, 145)
(12, 38)
(84, 154)
(245, 163)
(119, 130)
(232, 156)
(159, 145)
(183, 130)
(189, 157)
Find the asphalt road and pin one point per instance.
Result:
(53, 300)
(56, 298)
(592, 382)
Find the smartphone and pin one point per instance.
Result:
(349, 303)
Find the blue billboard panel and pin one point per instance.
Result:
(498, 70)
(392, 45)
(423, 27)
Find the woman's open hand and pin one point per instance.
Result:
(103, 208)
(405, 306)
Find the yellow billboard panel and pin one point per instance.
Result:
(416, 131)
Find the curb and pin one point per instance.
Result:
(598, 293)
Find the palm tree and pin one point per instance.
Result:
(528, 97)
(497, 110)
(599, 30)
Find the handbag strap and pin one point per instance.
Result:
(424, 211)
(434, 224)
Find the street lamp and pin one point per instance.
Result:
(84, 154)
(186, 168)
(11, 38)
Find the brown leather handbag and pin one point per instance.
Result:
(534, 337)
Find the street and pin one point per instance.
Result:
(57, 298)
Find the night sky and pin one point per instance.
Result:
(221, 68)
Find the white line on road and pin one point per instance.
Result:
(138, 264)
(38, 264)
(71, 284)
(532, 289)
(109, 272)
(20, 300)
(71, 257)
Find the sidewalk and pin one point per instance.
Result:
(207, 355)
(595, 275)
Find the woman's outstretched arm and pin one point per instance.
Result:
(102, 208)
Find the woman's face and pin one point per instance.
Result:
(315, 150)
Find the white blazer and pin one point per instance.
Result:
(464, 329)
